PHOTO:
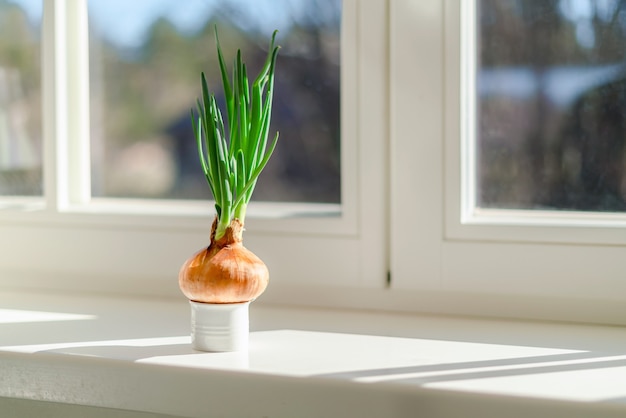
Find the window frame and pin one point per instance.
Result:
(72, 228)
(441, 262)
(405, 252)
(474, 222)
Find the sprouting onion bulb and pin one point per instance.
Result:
(232, 156)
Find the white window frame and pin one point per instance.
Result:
(125, 246)
(448, 257)
(574, 227)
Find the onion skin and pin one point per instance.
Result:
(225, 271)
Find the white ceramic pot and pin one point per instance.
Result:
(219, 326)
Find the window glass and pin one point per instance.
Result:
(20, 98)
(551, 100)
(145, 64)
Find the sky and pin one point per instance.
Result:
(126, 22)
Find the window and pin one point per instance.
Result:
(136, 244)
(531, 171)
(549, 113)
(451, 250)
(410, 198)
(145, 70)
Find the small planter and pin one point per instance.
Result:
(221, 279)
(219, 326)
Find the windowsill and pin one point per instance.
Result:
(177, 215)
(134, 354)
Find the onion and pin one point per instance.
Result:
(232, 155)
(225, 271)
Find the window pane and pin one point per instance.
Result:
(551, 104)
(20, 98)
(146, 59)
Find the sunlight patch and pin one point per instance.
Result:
(14, 316)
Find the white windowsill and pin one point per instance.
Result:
(134, 354)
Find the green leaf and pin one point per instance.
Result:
(241, 171)
(197, 128)
(256, 119)
(228, 92)
(255, 174)
(233, 154)
(242, 88)
(266, 66)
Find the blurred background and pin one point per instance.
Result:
(145, 62)
(20, 100)
(552, 104)
(551, 98)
